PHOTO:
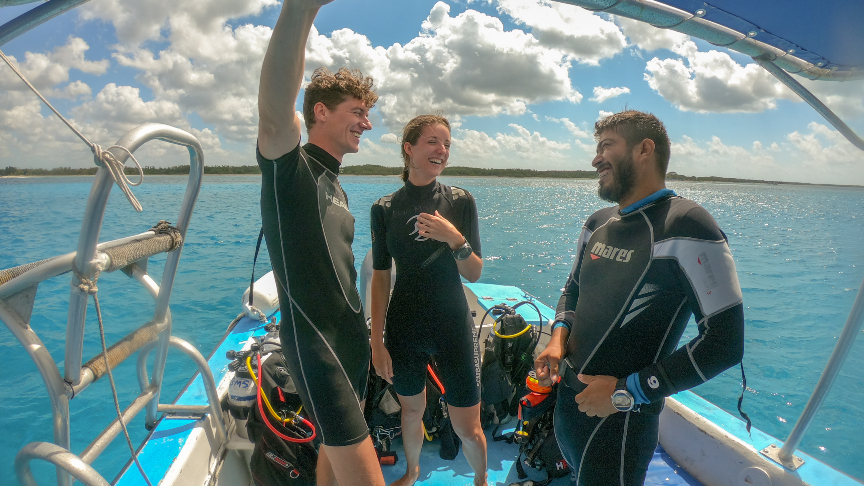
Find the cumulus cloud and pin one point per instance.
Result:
(571, 127)
(713, 82)
(46, 71)
(185, 24)
(827, 158)
(583, 36)
(602, 94)
(389, 138)
(827, 150)
(462, 65)
(603, 114)
(648, 37)
(27, 134)
(473, 147)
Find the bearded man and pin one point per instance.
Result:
(642, 268)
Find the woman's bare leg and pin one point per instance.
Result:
(466, 424)
(412, 436)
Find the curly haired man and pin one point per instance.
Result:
(309, 231)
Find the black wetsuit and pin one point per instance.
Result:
(309, 232)
(636, 281)
(428, 314)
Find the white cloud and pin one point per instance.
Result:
(571, 127)
(389, 138)
(186, 24)
(821, 155)
(686, 147)
(46, 71)
(713, 82)
(585, 37)
(603, 114)
(828, 152)
(462, 65)
(602, 94)
(531, 145)
(383, 154)
(650, 38)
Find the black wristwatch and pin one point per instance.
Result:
(622, 400)
(463, 252)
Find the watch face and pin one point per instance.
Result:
(622, 400)
(463, 252)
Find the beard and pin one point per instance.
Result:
(622, 183)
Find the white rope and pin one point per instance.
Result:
(88, 286)
(101, 157)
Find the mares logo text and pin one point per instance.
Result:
(610, 252)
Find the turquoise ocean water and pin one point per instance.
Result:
(799, 252)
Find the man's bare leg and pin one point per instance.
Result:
(466, 424)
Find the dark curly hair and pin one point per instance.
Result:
(411, 133)
(332, 89)
(635, 126)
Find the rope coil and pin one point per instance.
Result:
(102, 158)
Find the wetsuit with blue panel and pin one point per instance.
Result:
(640, 273)
(428, 314)
(309, 232)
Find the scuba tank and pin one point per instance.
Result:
(242, 392)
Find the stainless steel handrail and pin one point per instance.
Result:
(835, 362)
(206, 378)
(58, 456)
(16, 298)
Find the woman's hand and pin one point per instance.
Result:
(382, 363)
(437, 227)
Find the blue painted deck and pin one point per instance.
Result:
(502, 468)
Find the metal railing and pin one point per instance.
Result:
(17, 295)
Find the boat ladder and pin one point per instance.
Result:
(130, 255)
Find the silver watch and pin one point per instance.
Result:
(463, 252)
(622, 400)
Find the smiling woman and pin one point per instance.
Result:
(431, 230)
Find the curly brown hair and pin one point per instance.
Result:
(635, 126)
(411, 133)
(332, 89)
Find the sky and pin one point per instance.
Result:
(522, 82)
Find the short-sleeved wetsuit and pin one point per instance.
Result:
(638, 277)
(325, 341)
(428, 314)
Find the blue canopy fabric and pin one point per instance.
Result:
(817, 31)
(816, 39)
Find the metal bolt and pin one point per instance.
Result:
(790, 51)
(700, 12)
(752, 33)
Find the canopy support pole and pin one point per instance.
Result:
(34, 17)
(811, 100)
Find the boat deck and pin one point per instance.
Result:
(502, 467)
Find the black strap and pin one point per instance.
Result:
(257, 248)
(520, 471)
(741, 398)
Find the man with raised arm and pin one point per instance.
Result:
(642, 269)
(309, 231)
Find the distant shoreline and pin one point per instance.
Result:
(380, 170)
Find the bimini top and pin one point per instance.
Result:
(817, 39)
